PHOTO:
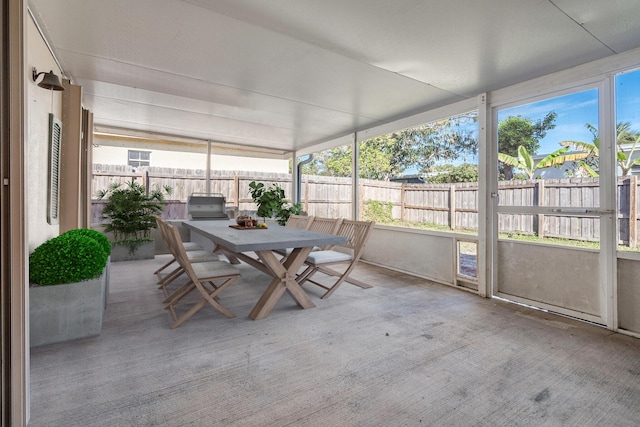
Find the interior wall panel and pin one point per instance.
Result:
(629, 295)
(412, 251)
(563, 277)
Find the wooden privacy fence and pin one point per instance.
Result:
(451, 205)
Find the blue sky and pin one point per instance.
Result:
(576, 110)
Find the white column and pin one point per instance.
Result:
(355, 173)
(608, 192)
(487, 187)
(208, 173)
(294, 177)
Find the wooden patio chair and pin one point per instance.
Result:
(325, 225)
(188, 246)
(319, 225)
(195, 253)
(302, 222)
(201, 279)
(357, 234)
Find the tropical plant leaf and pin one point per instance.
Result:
(589, 147)
(509, 160)
(556, 158)
(527, 160)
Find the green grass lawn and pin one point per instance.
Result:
(511, 236)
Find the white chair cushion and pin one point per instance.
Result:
(201, 256)
(289, 250)
(324, 257)
(192, 246)
(214, 268)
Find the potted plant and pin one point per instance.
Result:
(105, 244)
(272, 202)
(67, 292)
(130, 212)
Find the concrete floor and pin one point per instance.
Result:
(407, 352)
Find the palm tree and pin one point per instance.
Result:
(591, 150)
(525, 161)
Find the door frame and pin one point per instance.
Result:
(13, 248)
(607, 194)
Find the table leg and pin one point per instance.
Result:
(217, 249)
(284, 280)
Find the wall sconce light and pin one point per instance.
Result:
(49, 81)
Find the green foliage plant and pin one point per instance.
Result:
(271, 202)
(130, 212)
(94, 234)
(67, 258)
(378, 211)
(525, 161)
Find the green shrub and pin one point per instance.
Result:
(95, 235)
(67, 258)
(378, 211)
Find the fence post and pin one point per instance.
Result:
(306, 195)
(236, 189)
(540, 202)
(360, 201)
(452, 206)
(402, 201)
(633, 211)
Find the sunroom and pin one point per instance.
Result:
(291, 79)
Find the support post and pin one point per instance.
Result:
(355, 174)
(208, 183)
(236, 189)
(633, 211)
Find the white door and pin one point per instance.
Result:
(553, 227)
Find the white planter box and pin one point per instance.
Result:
(145, 251)
(61, 313)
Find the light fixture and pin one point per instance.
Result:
(49, 81)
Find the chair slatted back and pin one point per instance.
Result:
(162, 227)
(325, 225)
(357, 234)
(302, 222)
(177, 249)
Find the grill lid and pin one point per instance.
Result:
(206, 206)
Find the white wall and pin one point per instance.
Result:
(110, 155)
(37, 156)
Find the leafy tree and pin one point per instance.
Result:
(525, 161)
(516, 131)
(390, 155)
(465, 172)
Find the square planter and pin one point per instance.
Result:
(145, 251)
(65, 312)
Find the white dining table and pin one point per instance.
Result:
(264, 241)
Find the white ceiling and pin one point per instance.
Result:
(289, 74)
